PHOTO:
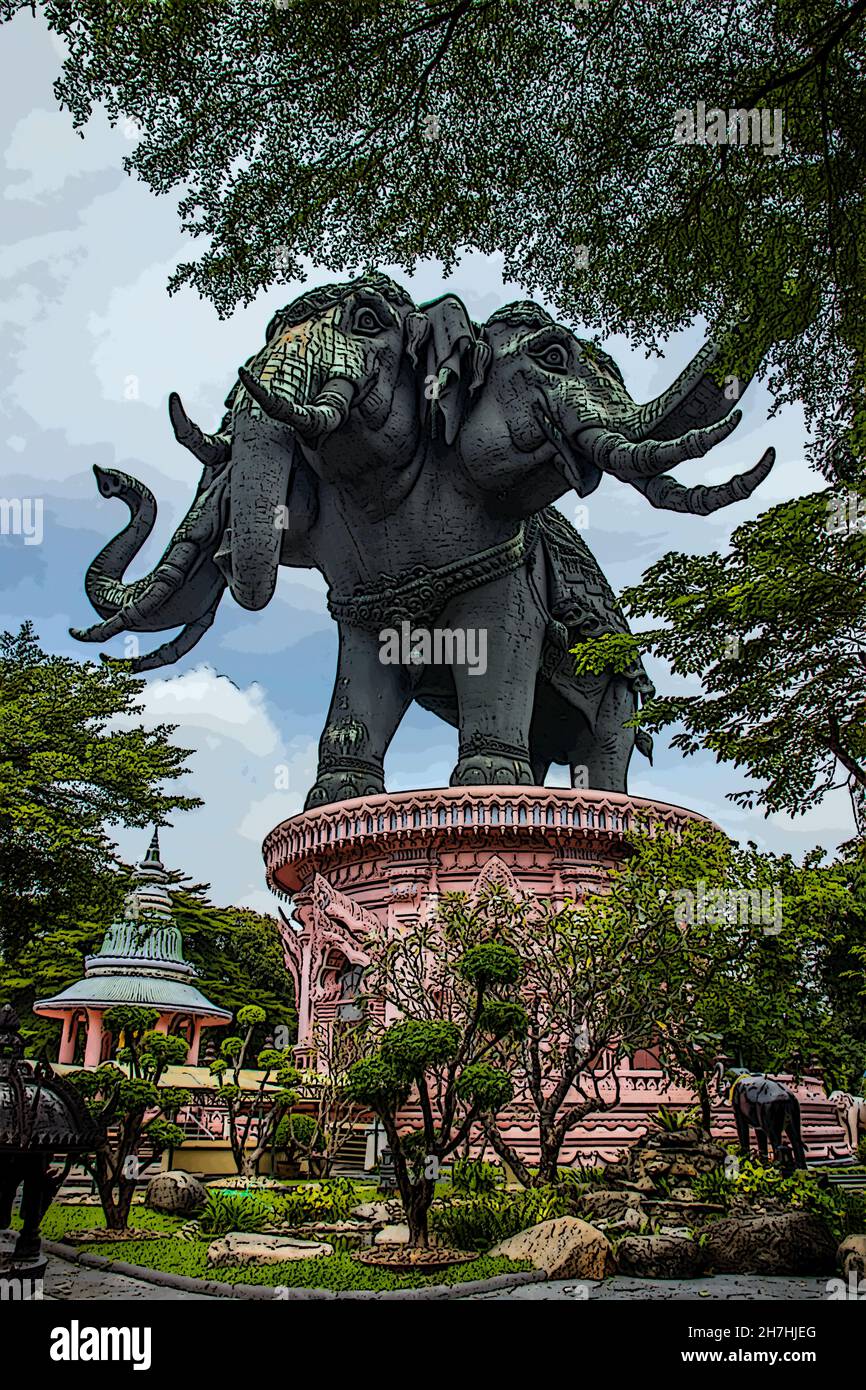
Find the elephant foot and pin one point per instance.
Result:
(343, 782)
(493, 769)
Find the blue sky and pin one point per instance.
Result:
(92, 345)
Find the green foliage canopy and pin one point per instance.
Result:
(775, 630)
(71, 763)
(380, 132)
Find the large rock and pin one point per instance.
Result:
(566, 1247)
(678, 1158)
(379, 1212)
(175, 1193)
(392, 1235)
(785, 1243)
(610, 1206)
(852, 1256)
(660, 1257)
(244, 1248)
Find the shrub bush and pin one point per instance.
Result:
(843, 1212)
(251, 1211)
(232, 1211)
(332, 1200)
(296, 1129)
(583, 1177)
(671, 1121)
(478, 1222)
(474, 1176)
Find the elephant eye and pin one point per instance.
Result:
(366, 320)
(554, 357)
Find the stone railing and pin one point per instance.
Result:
(395, 820)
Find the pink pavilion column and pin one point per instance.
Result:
(66, 1055)
(303, 1047)
(93, 1046)
(192, 1055)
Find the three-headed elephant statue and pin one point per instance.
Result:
(412, 457)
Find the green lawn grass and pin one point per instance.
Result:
(175, 1256)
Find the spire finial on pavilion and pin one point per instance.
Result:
(153, 855)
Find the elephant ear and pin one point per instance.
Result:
(457, 361)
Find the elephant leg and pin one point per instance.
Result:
(504, 625)
(540, 768)
(850, 1126)
(369, 700)
(761, 1136)
(792, 1129)
(601, 762)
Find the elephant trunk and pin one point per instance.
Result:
(261, 469)
(102, 581)
(181, 588)
(263, 452)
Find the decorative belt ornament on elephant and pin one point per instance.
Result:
(412, 457)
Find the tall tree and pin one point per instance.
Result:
(745, 940)
(240, 961)
(550, 132)
(253, 1115)
(583, 990)
(775, 630)
(67, 772)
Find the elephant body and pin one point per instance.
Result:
(412, 457)
(768, 1107)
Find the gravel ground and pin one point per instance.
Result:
(752, 1287)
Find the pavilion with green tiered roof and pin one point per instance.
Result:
(140, 962)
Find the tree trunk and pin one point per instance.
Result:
(115, 1191)
(416, 1204)
(548, 1164)
(703, 1090)
(508, 1155)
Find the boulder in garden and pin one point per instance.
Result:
(565, 1247)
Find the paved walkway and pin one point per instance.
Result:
(720, 1286)
(64, 1280)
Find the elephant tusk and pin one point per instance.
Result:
(313, 422)
(209, 449)
(629, 462)
(169, 651)
(669, 495)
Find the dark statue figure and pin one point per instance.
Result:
(412, 457)
(771, 1110)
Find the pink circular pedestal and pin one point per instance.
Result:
(353, 865)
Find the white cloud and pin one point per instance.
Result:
(201, 700)
(44, 146)
(247, 776)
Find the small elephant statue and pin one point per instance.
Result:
(852, 1115)
(771, 1110)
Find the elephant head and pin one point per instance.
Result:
(554, 414)
(339, 363)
